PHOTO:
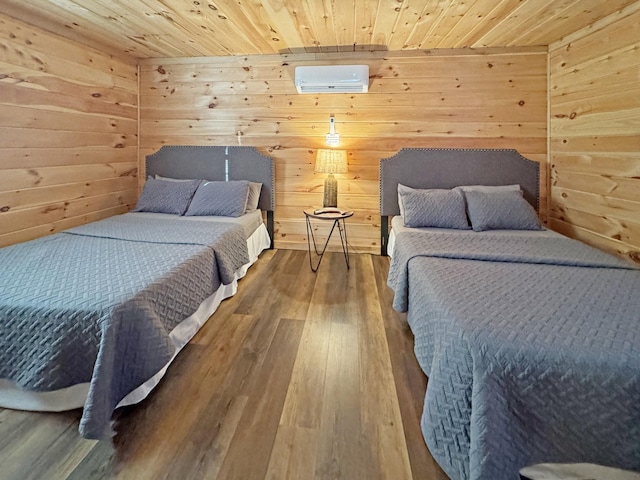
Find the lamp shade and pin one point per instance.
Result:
(331, 161)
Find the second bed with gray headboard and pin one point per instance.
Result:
(526, 336)
(445, 168)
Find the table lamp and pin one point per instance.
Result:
(331, 161)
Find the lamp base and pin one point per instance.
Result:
(330, 198)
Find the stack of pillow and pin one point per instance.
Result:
(472, 206)
(198, 197)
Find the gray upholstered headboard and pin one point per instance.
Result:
(219, 163)
(448, 168)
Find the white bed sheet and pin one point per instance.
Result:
(73, 397)
(397, 226)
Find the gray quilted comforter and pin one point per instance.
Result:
(531, 347)
(97, 303)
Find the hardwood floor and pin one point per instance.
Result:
(299, 376)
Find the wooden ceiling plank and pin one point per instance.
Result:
(315, 26)
(170, 28)
(473, 19)
(386, 18)
(524, 17)
(407, 21)
(365, 17)
(139, 26)
(344, 19)
(422, 25)
(436, 15)
(581, 14)
(263, 35)
(490, 20)
(316, 23)
(161, 24)
(455, 15)
(555, 17)
(279, 15)
(201, 27)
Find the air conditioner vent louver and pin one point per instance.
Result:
(332, 79)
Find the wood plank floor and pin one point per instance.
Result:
(299, 376)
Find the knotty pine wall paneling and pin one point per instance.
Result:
(68, 133)
(489, 98)
(595, 134)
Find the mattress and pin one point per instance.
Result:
(75, 395)
(397, 226)
(532, 349)
(258, 238)
(250, 221)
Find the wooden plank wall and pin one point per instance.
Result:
(68, 133)
(595, 134)
(445, 98)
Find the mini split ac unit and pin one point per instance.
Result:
(333, 79)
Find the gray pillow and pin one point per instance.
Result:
(434, 208)
(225, 199)
(161, 196)
(500, 211)
(254, 196)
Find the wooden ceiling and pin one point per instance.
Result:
(187, 28)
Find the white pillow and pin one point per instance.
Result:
(490, 188)
(169, 179)
(254, 196)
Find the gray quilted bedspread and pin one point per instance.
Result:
(97, 303)
(531, 347)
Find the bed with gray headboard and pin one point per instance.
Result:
(444, 168)
(530, 340)
(220, 163)
(92, 317)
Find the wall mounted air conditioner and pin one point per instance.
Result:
(333, 79)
